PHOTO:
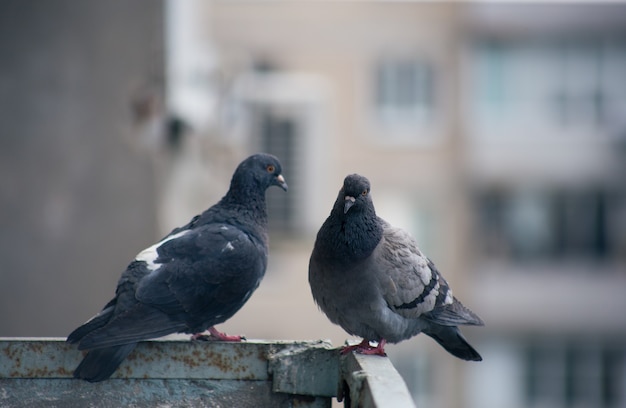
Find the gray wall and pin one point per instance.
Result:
(76, 195)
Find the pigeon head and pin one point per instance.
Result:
(352, 230)
(355, 195)
(259, 171)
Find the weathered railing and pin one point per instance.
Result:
(37, 372)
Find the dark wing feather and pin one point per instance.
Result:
(138, 323)
(448, 313)
(96, 322)
(453, 315)
(203, 278)
(204, 271)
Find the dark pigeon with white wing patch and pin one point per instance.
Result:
(196, 277)
(371, 279)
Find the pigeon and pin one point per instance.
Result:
(196, 277)
(371, 279)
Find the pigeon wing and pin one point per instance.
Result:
(453, 315)
(201, 278)
(413, 287)
(204, 272)
(409, 285)
(137, 323)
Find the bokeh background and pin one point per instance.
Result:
(494, 132)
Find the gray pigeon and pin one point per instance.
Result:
(196, 277)
(371, 279)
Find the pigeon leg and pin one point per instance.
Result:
(379, 350)
(215, 334)
(223, 336)
(364, 347)
(361, 346)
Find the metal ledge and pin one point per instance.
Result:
(371, 382)
(176, 372)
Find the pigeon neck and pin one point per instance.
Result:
(359, 233)
(247, 200)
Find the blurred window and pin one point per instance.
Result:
(404, 91)
(568, 85)
(279, 136)
(574, 375)
(535, 224)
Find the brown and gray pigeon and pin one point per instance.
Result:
(371, 279)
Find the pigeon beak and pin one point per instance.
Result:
(280, 182)
(349, 202)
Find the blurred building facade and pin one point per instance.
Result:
(544, 112)
(495, 133)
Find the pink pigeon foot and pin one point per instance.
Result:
(364, 347)
(215, 334)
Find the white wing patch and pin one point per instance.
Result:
(449, 298)
(149, 255)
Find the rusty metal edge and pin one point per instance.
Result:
(174, 357)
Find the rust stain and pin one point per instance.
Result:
(10, 352)
(42, 372)
(62, 371)
(238, 360)
(196, 355)
(124, 371)
(36, 347)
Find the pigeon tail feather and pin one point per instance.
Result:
(100, 364)
(451, 339)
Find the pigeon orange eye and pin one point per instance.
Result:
(270, 169)
(364, 193)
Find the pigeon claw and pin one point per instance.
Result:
(364, 347)
(216, 335)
